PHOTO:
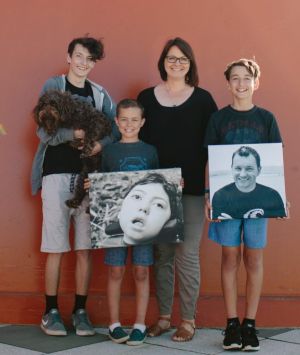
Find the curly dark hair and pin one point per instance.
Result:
(94, 46)
(56, 109)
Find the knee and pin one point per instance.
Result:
(83, 255)
(231, 260)
(55, 257)
(116, 273)
(253, 262)
(140, 273)
(187, 256)
(54, 260)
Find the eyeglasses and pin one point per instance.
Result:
(181, 60)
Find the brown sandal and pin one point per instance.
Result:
(155, 330)
(182, 334)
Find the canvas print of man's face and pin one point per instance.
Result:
(253, 187)
(245, 172)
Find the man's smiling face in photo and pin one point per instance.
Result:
(245, 172)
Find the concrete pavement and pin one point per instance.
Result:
(206, 341)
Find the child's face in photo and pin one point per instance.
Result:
(130, 121)
(245, 172)
(144, 212)
(241, 83)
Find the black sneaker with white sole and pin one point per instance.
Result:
(249, 338)
(233, 338)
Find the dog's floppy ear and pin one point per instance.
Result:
(40, 116)
(48, 118)
(47, 112)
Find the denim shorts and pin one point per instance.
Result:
(141, 255)
(231, 233)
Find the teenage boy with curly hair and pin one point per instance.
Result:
(55, 168)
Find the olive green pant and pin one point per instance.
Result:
(184, 258)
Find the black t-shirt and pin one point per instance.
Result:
(63, 158)
(229, 126)
(263, 201)
(178, 134)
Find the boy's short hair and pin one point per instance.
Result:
(245, 152)
(192, 75)
(250, 64)
(129, 103)
(94, 46)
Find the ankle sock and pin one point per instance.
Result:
(80, 301)
(113, 326)
(51, 302)
(140, 327)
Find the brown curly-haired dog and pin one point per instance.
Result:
(56, 109)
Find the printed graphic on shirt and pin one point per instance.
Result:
(246, 132)
(87, 99)
(133, 163)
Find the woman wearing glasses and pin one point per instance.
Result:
(177, 112)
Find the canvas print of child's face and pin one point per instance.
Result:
(144, 212)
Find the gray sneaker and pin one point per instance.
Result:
(52, 324)
(82, 323)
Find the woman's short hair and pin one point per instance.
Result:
(192, 75)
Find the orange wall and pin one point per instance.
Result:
(34, 35)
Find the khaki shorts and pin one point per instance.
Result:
(57, 216)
